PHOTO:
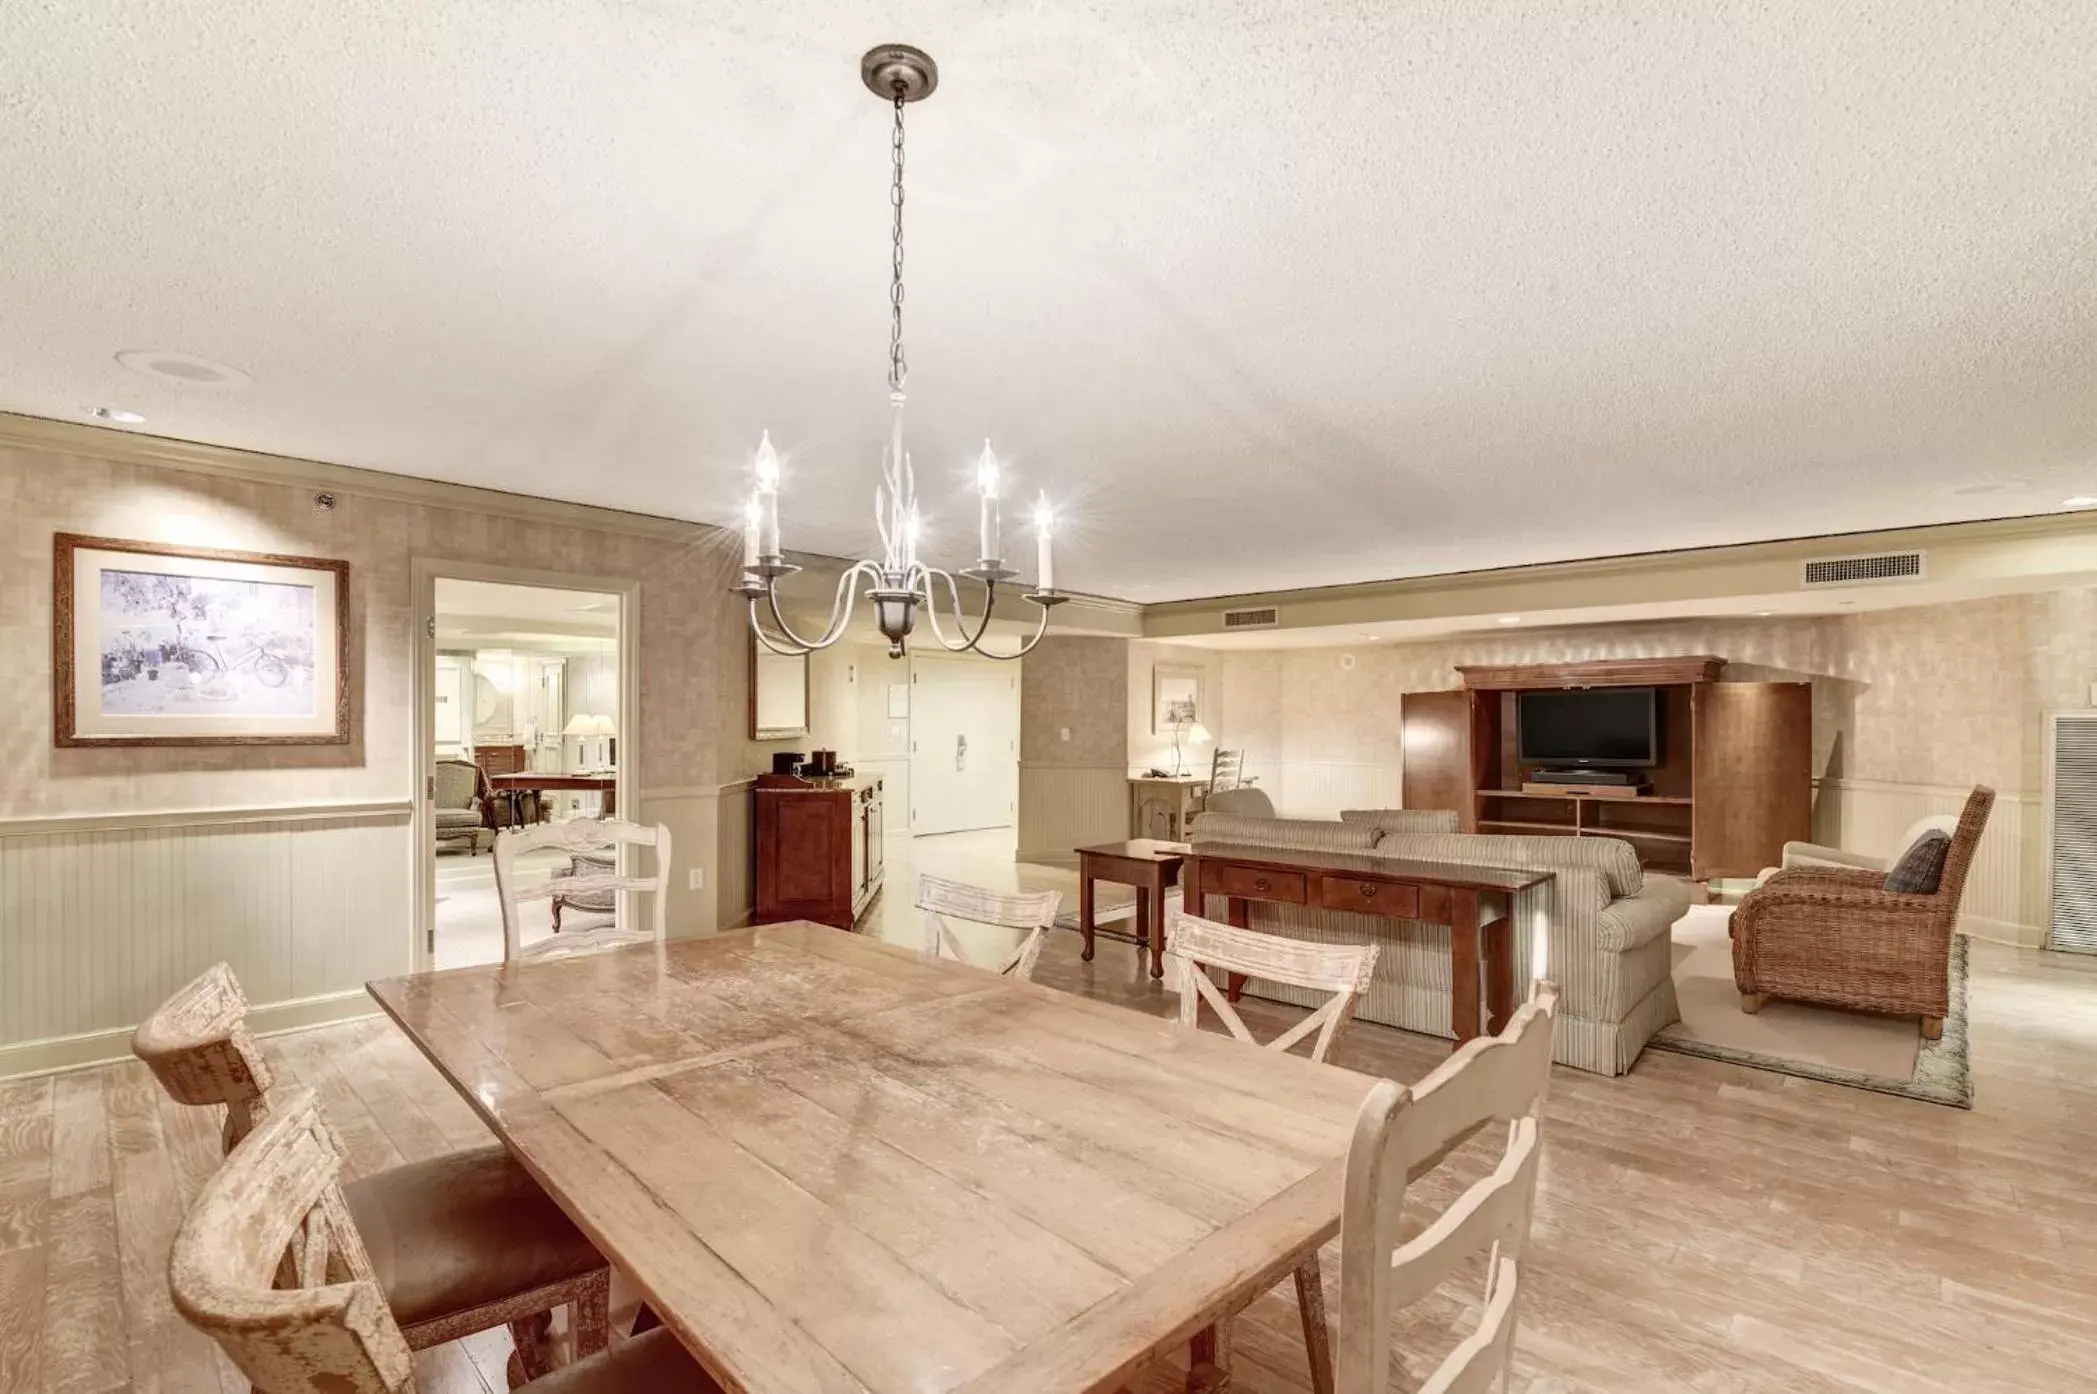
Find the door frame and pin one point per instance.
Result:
(424, 573)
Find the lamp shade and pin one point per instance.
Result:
(1198, 734)
(603, 726)
(579, 725)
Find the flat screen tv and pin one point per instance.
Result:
(1600, 727)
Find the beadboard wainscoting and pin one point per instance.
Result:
(1321, 788)
(894, 774)
(691, 814)
(735, 855)
(1065, 807)
(102, 916)
(2006, 889)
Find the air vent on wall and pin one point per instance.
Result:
(1849, 571)
(1249, 619)
(2071, 831)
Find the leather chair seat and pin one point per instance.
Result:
(653, 1363)
(462, 1231)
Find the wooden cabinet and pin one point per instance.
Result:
(818, 848)
(1733, 784)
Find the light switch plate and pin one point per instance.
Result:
(697, 880)
(1063, 733)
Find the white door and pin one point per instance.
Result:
(964, 745)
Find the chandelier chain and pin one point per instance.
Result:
(898, 368)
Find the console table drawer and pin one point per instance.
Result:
(1284, 886)
(1372, 897)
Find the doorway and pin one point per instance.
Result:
(523, 694)
(964, 745)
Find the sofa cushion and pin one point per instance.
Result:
(1405, 820)
(1631, 921)
(1245, 801)
(1920, 868)
(1309, 834)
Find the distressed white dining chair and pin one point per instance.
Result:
(1397, 1133)
(1343, 970)
(1033, 915)
(465, 1241)
(269, 1264)
(580, 835)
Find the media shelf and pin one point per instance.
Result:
(1730, 781)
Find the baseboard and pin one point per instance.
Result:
(1061, 856)
(59, 1053)
(2018, 936)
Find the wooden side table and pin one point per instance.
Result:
(1160, 807)
(1152, 866)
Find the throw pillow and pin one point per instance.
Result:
(1921, 867)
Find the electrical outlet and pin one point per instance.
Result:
(1063, 733)
(697, 880)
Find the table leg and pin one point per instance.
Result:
(1463, 963)
(1209, 1356)
(1142, 922)
(1085, 924)
(1155, 894)
(1239, 911)
(1499, 973)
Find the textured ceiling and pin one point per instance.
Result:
(1267, 295)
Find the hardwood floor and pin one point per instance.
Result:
(1700, 1226)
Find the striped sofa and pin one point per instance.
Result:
(1598, 927)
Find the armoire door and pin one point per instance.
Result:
(1437, 741)
(1753, 775)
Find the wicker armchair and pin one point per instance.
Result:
(1837, 935)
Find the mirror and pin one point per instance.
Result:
(778, 694)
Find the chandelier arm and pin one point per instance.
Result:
(757, 630)
(970, 644)
(840, 611)
(1040, 628)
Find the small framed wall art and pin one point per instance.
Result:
(164, 645)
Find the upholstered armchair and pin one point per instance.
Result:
(1836, 935)
(462, 812)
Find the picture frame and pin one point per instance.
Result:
(161, 645)
(1176, 697)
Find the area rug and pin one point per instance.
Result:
(1886, 1055)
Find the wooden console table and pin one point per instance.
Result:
(513, 788)
(1476, 902)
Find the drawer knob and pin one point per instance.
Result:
(1369, 892)
(1260, 884)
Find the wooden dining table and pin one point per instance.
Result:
(833, 1165)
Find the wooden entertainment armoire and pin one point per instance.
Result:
(1734, 781)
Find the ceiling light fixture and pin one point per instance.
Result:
(2080, 501)
(899, 75)
(115, 414)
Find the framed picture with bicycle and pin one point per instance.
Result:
(164, 645)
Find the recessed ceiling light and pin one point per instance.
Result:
(2080, 501)
(132, 418)
(1763, 614)
(185, 368)
(1991, 486)
(1510, 619)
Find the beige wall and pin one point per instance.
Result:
(1150, 749)
(1073, 746)
(123, 872)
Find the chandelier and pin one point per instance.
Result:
(899, 582)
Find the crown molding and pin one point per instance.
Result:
(196, 457)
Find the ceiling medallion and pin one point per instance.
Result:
(900, 582)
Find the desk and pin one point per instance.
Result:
(1162, 806)
(1476, 902)
(513, 788)
(832, 1164)
(1149, 865)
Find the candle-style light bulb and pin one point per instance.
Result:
(753, 519)
(767, 501)
(987, 481)
(913, 528)
(1044, 530)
